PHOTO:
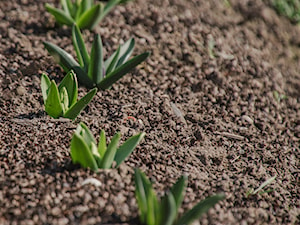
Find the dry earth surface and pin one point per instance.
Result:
(219, 99)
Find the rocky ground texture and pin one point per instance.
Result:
(219, 100)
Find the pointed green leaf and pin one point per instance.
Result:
(168, 210)
(64, 99)
(118, 73)
(108, 158)
(198, 210)
(140, 194)
(71, 8)
(78, 12)
(45, 85)
(96, 63)
(102, 144)
(52, 104)
(125, 52)
(80, 153)
(81, 51)
(95, 153)
(267, 182)
(75, 109)
(120, 56)
(64, 59)
(111, 62)
(153, 207)
(83, 131)
(108, 7)
(65, 7)
(86, 4)
(178, 190)
(90, 18)
(70, 83)
(60, 16)
(67, 62)
(127, 147)
(94, 150)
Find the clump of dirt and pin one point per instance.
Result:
(218, 99)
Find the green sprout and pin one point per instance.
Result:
(84, 13)
(288, 8)
(278, 96)
(92, 70)
(261, 187)
(153, 212)
(85, 151)
(210, 48)
(62, 100)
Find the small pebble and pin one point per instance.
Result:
(247, 119)
(21, 90)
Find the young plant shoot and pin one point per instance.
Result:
(91, 69)
(85, 151)
(84, 13)
(164, 212)
(62, 100)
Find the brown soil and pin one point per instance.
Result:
(209, 112)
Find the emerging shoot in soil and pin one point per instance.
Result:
(153, 212)
(62, 100)
(91, 69)
(84, 149)
(288, 8)
(84, 13)
(261, 187)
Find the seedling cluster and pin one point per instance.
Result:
(84, 149)
(84, 13)
(165, 212)
(288, 8)
(91, 69)
(62, 100)
(95, 73)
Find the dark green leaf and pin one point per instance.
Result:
(67, 62)
(65, 7)
(140, 194)
(60, 16)
(108, 158)
(168, 210)
(108, 7)
(90, 18)
(80, 153)
(178, 190)
(96, 63)
(198, 210)
(111, 62)
(73, 112)
(53, 104)
(153, 207)
(64, 59)
(127, 147)
(71, 8)
(86, 4)
(118, 73)
(125, 52)
(81, 51)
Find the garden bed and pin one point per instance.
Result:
(218, 99)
